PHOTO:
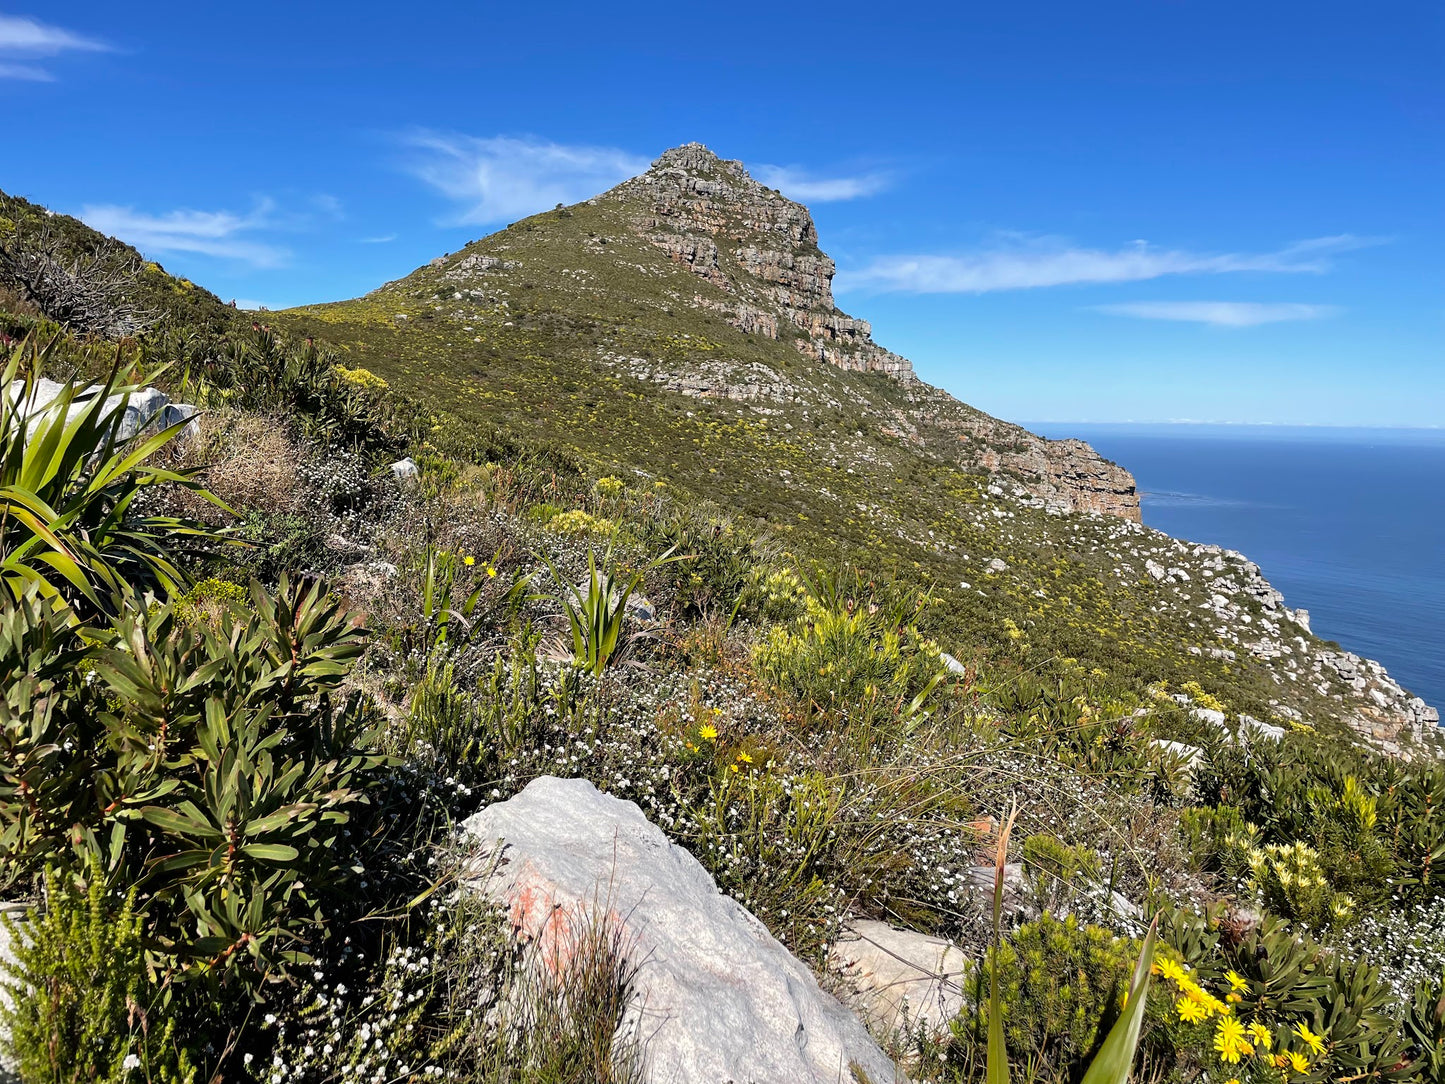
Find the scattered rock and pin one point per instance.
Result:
(720, 999)
(149, 409)
(901, 979)
(404, 470)
(952, 665)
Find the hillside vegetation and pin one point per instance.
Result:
(254, 677)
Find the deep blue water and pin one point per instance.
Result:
(1348, 523)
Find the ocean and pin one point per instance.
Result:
(1348, 523)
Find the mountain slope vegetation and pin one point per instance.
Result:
(592, 498)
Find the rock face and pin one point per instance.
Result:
(901, 979)
(759, 249)
(720, 999)
(757, 256)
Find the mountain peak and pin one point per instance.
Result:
(697, 158)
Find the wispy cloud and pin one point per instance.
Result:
(501, 178)
(24, 40)
(1219, 313)
(808, 187)
(1021, 263)
(221, 234)
(382, 240)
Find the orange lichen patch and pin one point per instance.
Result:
(557, 929)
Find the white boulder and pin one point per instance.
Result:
(901, 979)
(720, 998)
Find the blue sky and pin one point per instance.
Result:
(1144, 211)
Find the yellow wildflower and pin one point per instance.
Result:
(469, 560)
(1229, 1040)
(1237, 981)
(491, 571)
(708, 733)
(1316, 1043)
(1298, 1062)
(745, 756)
(1261, 1036)
(1190, 1011)
(1169, 969)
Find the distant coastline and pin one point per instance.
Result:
(1346, 521)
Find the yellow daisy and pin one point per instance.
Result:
(708, 733)
(1169, 969)
(1316, 1043)
(1237, 981)
(1261, 1036)
(1298, 1062)
(1229, 1040)
(1190, 1011)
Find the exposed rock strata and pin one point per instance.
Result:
(759, 252)
(749, 241)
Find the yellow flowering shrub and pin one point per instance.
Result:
(361, 378)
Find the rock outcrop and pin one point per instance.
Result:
(720, 999)
(900, 979)
(759, 249)
(147, 409)
(757, 255)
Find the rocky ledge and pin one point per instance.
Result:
(757, 250)
(757, 255)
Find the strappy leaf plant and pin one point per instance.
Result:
(596, 611)
(1113, 1062)
(69, 479)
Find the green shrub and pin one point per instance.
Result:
(1061, 986)
(69, 523)
(854, 658)
(219, 773)
(81, 1006)
(596, 613)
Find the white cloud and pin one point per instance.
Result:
(504, 177)
(800, 185)
(207, 233)
(384, 239)
(23, 40)
(1219, 313)
(1023, 263)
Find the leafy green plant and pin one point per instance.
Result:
(80, 1006)
(455, 624)
(68, 483)
(213, 766)
(1058, 995)
(596, 612)
(854, 657)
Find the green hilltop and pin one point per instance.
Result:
(679, 329)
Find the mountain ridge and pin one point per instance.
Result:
(679, 328)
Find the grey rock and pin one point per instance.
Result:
(147, 410)
(405, 470)
(900, 979)
(952, 665)
(1249, 725)
(719, 998)
(997, 565)
(1210, 716)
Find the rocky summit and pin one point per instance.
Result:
(696, 238)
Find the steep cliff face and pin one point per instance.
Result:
(757, 249)
(757, 256)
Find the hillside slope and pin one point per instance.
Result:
(681, 328)
(56, 267)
